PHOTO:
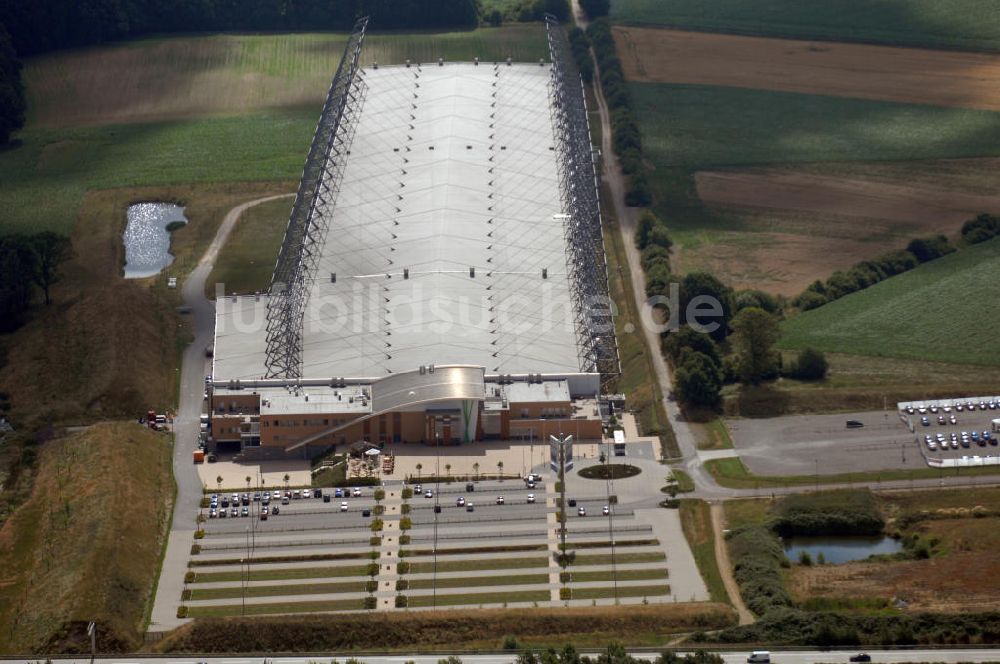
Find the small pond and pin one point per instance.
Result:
(147, 241)
(838, 550)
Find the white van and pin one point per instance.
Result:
(759, 657)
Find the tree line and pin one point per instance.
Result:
(12, 102)
(28, 264)
(720, 335)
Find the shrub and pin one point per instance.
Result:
(195, 549)
(372, 569)
(402, 584)
(374, 540)
(185, 595)
(698, 380)
(565, 593)
(405, 524)
(378, 510)
(402, 567)
(805, 559)
(189, 577)
(199, 534)
(404, 540)
(182, 611)
(371, 586)
(405, 508)
(401, 601)
(369, 603)
(930, 248)
(377, 525)
(980, 229)
(407, 493)
(810, 365)
(379, 494)
(205, 502)
(510, 643)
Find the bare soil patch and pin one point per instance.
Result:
(956, 582)
(909, 75)
(798, 227)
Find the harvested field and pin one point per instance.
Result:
(952, 583)
(908, 75)
(802, 226)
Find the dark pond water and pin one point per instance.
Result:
(840, 549)
(147, 242)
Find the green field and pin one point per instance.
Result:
(247, 260)
(223, 108)
(942, 311)
(960, 24)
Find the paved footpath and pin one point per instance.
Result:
(186, 424)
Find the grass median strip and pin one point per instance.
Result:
(360, 555)
(276, 608)
(472, 581)
(731, 473)
(510, 548)
(618, 543)
(479, 598)
(468, 565)
(283, 574)
(620, 558)
(621, 591)
(279, 590)
(622, 575)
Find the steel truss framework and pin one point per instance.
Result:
(311, 212)
(578, 187)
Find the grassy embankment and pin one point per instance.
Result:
(917, 315)
(86, 544)
(247, 261)
(478, 629)
(696, 522)
(959, 24)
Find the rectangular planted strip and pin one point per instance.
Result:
(360, 555)
(510, 548)
(623, 575)
(471, 581)
(466, 565)
(623, 591)
(620, 558)
(283, 574)
(476, 599)
(276, 608)
(618, 544)
(279, 590)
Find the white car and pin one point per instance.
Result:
(499, 500)
(606, 511)
(531, 497)
(356, 492)
(343, 506)
(428, 494)
(460, 502)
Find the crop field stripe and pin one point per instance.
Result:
(278, 590)
(953, 24)
(276, 608)
(283, 574)
(365, 555)
(471, 581)
(479, 598)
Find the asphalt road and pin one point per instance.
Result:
(949, 655)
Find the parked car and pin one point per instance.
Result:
(356, 492)
(572, 502)
(581, 511)
(855, 424)
(952, 419)
(428, 494)
(317, 493)
(338, 493)
(234, 512)
(469, 507)
(276, 510)
(531, 498)
(941, 420)
(499, 500)
(861, 657)
(759, 657)
(343, 506)
(223, 514)
(285, 500)
(606, 511)
(263, 516)
(245, 511)
(213, 514)
(460, 502)
(418, 489)
(933, 408)
(326, 497)
(366, 513)
(925, 422)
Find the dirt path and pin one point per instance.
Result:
(725, 568)
(908, 75)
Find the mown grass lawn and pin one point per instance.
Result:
(278, 590)
(283, 574)
(961, 24)
(274, 608)
(943, 311)
(479, 598)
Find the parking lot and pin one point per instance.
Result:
(401, 549)
(825, 444)
(955, 432)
